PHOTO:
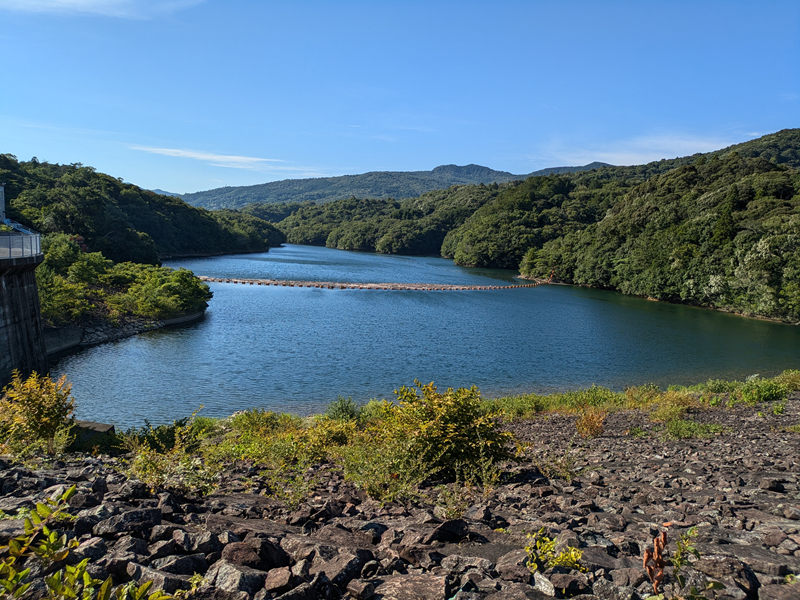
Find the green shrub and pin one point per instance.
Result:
(386, 468)
(595, 397)
(88, 268)
(372, 411)
(516, 407)
(789, 378)
(263, 422)
(720, 386)
(36, 410)
(643, 395)
(343, 409)
(60, 301)
(672, 405)
(757, 390)
(164, 457)
(542, 555)
(679, 429)
(447, 429)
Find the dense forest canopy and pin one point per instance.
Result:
(123, 221)
(376, 184)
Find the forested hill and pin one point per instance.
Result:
(123, 221)
(377, 184)
(719, 229)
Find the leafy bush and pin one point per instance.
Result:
(720, 386)
(643, 395)
(516, 407)
(449, 430)
(386, 468)
(672, 405)
(343, 409)
(789, 378)
(164, 457)
(60, 301)
(756, 390)
(35, 410)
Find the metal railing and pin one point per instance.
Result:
(16, 244)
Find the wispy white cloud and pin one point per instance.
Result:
(232, 161)
(126, 9)
(635, 151)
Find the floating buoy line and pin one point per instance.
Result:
(332, 285)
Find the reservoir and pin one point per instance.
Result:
(296, 349)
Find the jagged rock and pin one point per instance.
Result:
(165, 582)
(230, 577)
(313, 590)
(413, 587)
(279, 580)
(571, 583)
(343, 568)
(513, 566)
(455, 563)
(94, 549)
(606, 590)
(361, 590)
(131, 544)
(164, 548)
(543, 585)
(779, 592)
(181, 565)
(205, 541)
(133, 520)
(257, 553)
(421, 556)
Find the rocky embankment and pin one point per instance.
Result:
(739, 490)
(60, 339)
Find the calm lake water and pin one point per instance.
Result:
(296, 349)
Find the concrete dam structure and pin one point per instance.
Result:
(21, 337)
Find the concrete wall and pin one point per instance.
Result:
(21, 338)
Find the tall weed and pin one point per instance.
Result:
(34, 412)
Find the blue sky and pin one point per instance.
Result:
(187, 95)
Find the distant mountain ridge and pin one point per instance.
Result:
(375, 184)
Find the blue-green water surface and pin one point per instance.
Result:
(296, 349)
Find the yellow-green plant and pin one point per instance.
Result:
(171, 464)
(590, 423)
(34, 410)
(447, 430)
(542, 555)
(672, 405)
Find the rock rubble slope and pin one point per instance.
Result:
(608, 497)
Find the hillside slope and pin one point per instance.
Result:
(123, 221)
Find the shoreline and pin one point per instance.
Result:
(650, 299)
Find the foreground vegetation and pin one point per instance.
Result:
(388, 449)
(447, 449)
